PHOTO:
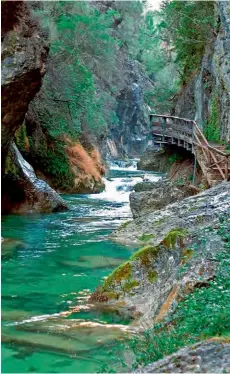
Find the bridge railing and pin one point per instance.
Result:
(188, 130)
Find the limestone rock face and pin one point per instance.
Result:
(160, 194)
(150, 282)
(23, 64)
(131, 136)
(211, 85)
(155, 159)
(190, 213)
(206, 357)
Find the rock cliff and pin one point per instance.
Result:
(23, 64)
(24, 53)
(206, 97)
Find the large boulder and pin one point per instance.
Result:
(188, 213)
(155, 159)
(158, 195)
(150, 282)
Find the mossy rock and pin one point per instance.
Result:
(173, 237)
(145, 255)
(124, 225)
(129, 285)
(186, 255)
(123, 272)
(147, 237)
(152, 276)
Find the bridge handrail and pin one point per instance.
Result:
(173, 117)
(199, 141)
(195, 124)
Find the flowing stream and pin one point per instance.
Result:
(50, 264)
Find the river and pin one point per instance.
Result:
(50, 264)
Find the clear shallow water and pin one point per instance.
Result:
(50, 264)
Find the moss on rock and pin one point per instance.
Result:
(186, 255)
(152, 276)
(121, 273)
(173, 237)
(129, 285)
(146, 237)
(145, 255)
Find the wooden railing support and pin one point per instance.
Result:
(185, 131)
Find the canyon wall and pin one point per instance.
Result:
(206, 98)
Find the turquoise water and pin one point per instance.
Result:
(50, 264)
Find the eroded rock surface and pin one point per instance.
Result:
(190, 213)
(150, 283)
(205, 357)
(24, 54)
(36, 194)
(156, 196)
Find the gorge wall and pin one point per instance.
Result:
(84, 111)
(23, 64)
(206, 98)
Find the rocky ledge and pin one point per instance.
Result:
(185, 231)
(206, 357)
(190, 213)
(176, 285)
(150, 196)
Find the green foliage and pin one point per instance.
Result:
(173, 237)
(212, 129)
(187, 26)
(53, 161)
(175, 157)
(159, 64)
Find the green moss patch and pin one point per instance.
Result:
(152, 276)
(129, 285)
(125, 224)
(147, 237)
(121, 273)
(173, 237)
(145, 255)
(187, 254)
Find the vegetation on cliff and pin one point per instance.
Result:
(89, 43)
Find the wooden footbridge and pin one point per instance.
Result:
(183, 132)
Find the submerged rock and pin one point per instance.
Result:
(212, 356)
(92, 262)
(9, 247)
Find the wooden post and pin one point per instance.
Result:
(226, 168)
